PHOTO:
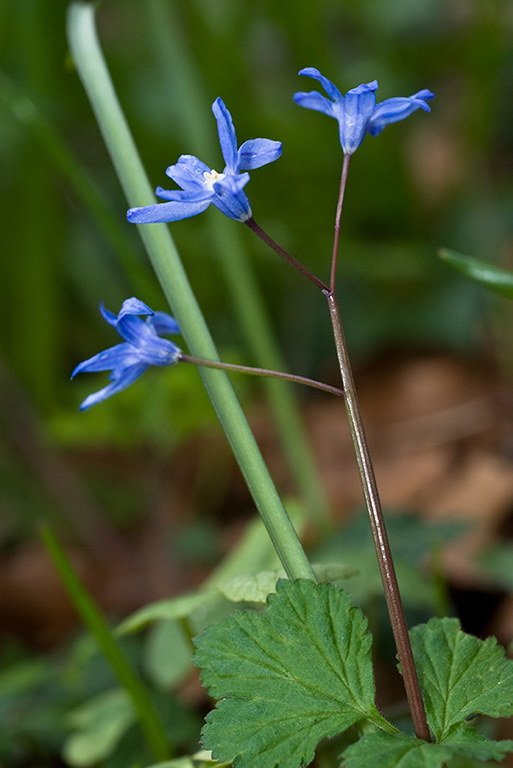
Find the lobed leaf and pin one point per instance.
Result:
(385, 750)
(287, 677)
(461, 675)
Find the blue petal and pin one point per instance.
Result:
(230, 199)
(227, 138)
(330, 88)
(166, 212)
(142, 336)
(163, 323)
(314, 100)
(123, 381)
(181, 195)
(257, 152)
(425, 94)
(157, 351)
(134, 330)
(123, 354)
(107, 315)
(134, 306)
(393, 110)
(358, 106)
(188, 172)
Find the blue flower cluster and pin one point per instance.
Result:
(357, 114)
(141, 348)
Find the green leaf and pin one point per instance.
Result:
(499, 280)
(167, 654)
(202, 759)
(254, 588)
(287, 677)
(175, 608)
(460, 675)
(385, 750)
(100, 723)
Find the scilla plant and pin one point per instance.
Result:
(300, 670)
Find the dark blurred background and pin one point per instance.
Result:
(143, 487)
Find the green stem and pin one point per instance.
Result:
(95, 622)
(262, 372)
(174, 56)
(168, 267)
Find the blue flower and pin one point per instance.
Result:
(141, 348)
(202, 185)
(357, 111)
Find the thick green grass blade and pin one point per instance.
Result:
(168, 267)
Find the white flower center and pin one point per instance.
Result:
(211, 177)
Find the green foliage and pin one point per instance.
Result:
(382, 750)
(93, 618)
(202, 759)
(99, 724)
(412, 540)
(301, 671)
(256, 587)
(499, 280)
(286, 678)
(72, 702)
(461, 675)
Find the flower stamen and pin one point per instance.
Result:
(211, 177)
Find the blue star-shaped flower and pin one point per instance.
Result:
(141, 348)
(357, 111)
(202, 186)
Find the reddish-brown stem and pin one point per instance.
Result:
(261, 372)
(251, 223)
(379, 533)
(343, 179)
(371, 495)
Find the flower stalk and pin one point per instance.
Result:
(378, 527)
(251, 223)
(295, 379)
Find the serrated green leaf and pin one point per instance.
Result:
(460, 675)
(287, 677)
(254, 588)
(499, 280)
(384, 750)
